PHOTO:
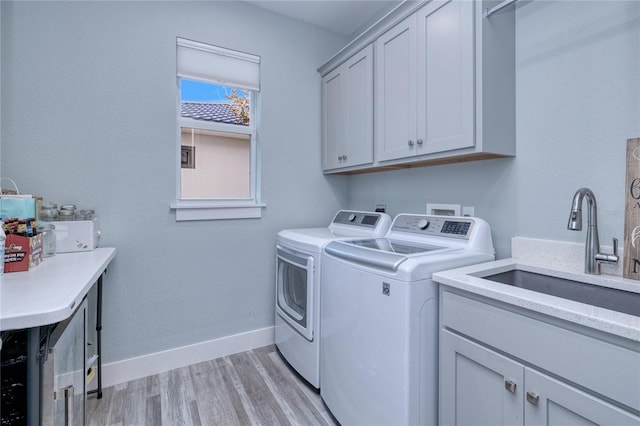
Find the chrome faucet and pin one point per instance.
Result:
(592, 256)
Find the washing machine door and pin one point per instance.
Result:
(294, 293)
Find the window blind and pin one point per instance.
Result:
(212, 64)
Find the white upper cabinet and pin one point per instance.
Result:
(395, 108)
(445, 83)
(347, 111)
(333, 120)
(424, 82)
(444, 88)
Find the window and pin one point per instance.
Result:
(217, 142)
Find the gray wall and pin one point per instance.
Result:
(89, 117)
(578, 101)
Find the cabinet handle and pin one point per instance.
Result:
(344, 157)
(67, 394)
(419, 141)
(510, 385)
(533, 398)
(410, 142)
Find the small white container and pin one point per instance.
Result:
(77, 235)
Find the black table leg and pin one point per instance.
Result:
(99, 337)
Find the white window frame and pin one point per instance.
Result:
(212, 209)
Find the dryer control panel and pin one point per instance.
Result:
(356, 218)
(441, 226)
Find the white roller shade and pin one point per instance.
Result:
(203, 62)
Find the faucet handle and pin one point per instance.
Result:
(609, 258)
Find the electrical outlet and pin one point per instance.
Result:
(468, 211)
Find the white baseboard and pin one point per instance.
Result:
(123, 371)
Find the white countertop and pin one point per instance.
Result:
(50, 292)
(620, 324)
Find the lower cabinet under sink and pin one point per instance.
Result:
(507, 365)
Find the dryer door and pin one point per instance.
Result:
(295, 285)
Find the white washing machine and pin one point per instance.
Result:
(298, 282)
(379, 315)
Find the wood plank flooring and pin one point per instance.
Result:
(250, 388)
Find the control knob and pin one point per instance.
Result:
(423, 224)
(351, 217)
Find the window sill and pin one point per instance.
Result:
(186, 211)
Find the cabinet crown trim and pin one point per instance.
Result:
(368, 36)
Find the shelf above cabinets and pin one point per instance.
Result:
(443, 91)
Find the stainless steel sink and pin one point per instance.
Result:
(604, 297)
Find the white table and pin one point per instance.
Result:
(46, 295)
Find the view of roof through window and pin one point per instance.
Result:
(213, 102)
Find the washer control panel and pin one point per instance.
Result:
(441, 226)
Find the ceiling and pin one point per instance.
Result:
(341, 16)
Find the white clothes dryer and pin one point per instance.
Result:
(298, 283)
(379, 317)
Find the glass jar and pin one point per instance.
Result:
(68, 207)
(85, 214)
(48, 211)
(66, 215)
(67, 212)
(48, 231)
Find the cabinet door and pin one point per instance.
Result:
(333, 119)
(396, 91)
(63, 380)
(445, 70)
(550, 402)
(359, 108)
(478, 386)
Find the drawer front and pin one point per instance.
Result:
(605, 368)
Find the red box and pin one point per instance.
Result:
(22, 253)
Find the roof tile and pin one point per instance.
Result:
(210, 111)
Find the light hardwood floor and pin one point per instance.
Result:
(250, 388)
